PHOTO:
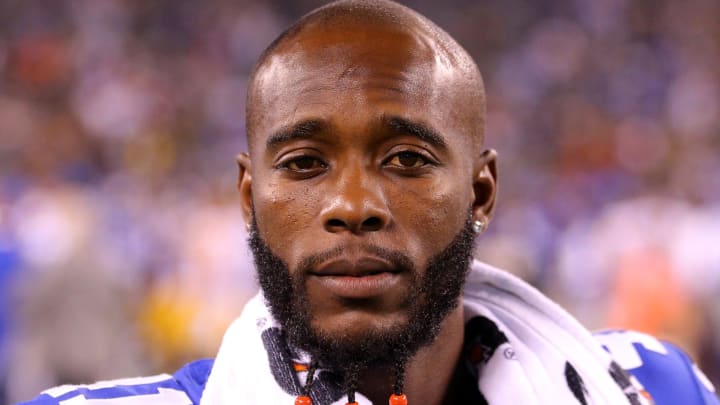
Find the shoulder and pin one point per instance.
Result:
(182, 388)
(665, 371)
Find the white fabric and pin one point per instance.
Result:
(543, 337)
(529, 369)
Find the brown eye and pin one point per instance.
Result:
(408, 159)
(304, 163)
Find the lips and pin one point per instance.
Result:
(356, 278)
(358, 267)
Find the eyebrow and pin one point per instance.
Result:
(417, 129)
(308, 129)
(305, 129)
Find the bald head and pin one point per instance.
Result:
(359, 33)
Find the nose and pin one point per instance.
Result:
(356, 204)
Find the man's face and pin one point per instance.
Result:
(363, 171)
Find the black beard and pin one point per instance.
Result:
(435, 295)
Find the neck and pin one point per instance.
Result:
(428, 373)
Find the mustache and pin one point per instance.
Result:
(399, 260)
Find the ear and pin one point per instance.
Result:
(243, 185)
(485, 187)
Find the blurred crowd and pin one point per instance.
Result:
(122, 249)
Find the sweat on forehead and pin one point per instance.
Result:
(334, 25)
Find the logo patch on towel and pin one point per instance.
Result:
(575, 383)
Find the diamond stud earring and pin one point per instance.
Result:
(478, 226)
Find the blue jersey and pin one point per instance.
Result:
(665, 372)
(662, 368)
(185, 387)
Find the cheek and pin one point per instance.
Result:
(283, 215)
(431, 215)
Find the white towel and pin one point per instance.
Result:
(545, 350)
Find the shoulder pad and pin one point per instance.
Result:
(183, 388)
(663, 369)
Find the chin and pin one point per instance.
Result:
(357, 325)
(356, 338)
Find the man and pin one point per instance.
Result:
(363, 190)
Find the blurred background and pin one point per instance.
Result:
(122, 248)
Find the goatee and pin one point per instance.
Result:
(435, 293)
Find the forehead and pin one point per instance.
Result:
(371, 70)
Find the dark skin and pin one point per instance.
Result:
(364, 136)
